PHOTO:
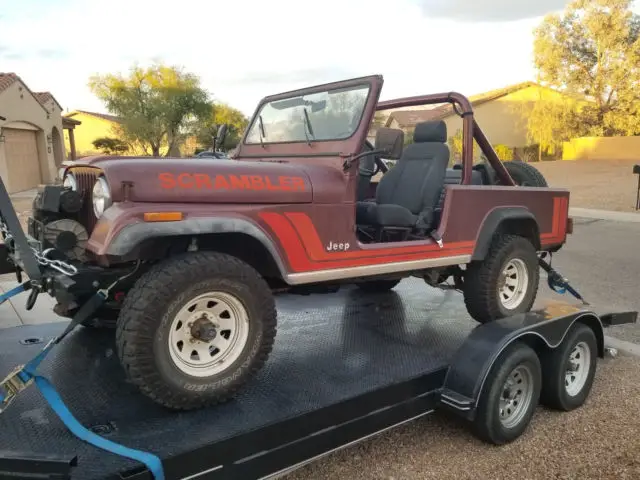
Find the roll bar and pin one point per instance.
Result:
(470, 131)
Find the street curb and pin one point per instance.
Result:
(623, 345)
(605, 215)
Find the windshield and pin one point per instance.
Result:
(329, 115)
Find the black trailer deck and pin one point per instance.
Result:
(337, 359)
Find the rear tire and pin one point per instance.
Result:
(525, 175)
(565, 386)
(510, 395)
(377, 286)
(505, 282)
(195, 328)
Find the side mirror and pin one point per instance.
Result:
(390, 141)
(220, 136)
(636, 169)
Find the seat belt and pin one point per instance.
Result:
(425, 218)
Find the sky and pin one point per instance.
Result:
(247, 49)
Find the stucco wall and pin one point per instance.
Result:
(602, 148)
(18, 105)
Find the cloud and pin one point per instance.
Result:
(489, 10)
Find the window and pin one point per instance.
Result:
(329, 115)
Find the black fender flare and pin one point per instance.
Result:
(132, 235)
(492, 222)
(543, 329)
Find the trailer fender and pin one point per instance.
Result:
(132, 235)
(541, 329)
(517, 220)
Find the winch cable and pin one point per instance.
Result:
(23, 376)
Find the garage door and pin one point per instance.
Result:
(21, 152)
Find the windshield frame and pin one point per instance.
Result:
(361, 84)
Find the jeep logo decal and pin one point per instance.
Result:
(337, 247)
(230, 182)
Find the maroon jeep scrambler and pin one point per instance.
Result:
(190, 252)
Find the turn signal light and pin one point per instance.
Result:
(163, 216)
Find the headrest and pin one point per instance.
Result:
(435, 131)
(390, 140)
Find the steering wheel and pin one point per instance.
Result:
(378, 166)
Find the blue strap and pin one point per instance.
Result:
(12, 293)
(152, 462)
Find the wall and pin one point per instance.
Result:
(602, 148)
(18, 105)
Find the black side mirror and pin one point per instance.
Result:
(636, 169)
(390, 141)
(220, 136)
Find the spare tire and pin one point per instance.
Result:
(525, 175)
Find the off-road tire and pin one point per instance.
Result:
(377, 286)
(487, 424)
(525, 175)
(150, 307)
(481, 279)
(554, 365)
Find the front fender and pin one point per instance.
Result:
(118, 235)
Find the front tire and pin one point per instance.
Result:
(505, 282)
(195, 328)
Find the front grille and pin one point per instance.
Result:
(86, 178)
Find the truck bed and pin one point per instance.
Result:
(330, 350)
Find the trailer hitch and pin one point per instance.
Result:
(556, 281)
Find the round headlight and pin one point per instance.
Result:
(70, 181)
(101, 196)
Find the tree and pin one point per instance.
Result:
(593, 50)
(158, 105)
(218, 114)
(110, 146)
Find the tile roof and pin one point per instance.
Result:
(44, 97)
(7, 79)
(104, 116)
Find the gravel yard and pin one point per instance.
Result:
(599, 441)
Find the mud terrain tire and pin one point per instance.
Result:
(377, 286)
(505, 282)
(165, 304)
(525, 175)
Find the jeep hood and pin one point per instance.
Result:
(206, 181)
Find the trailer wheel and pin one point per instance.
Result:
(505, 282)
(377, 286)
(510, 395)
(195, 328)
(569, 370)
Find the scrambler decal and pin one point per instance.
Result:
(231, 182)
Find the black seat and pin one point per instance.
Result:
(408, 193)
(389, 140)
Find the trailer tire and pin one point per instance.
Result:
(195, 328)
(486, 293)
(377, 286)
(516, 371)
(563, 389)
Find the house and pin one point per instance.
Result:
(100, 125)
(31, 129)
(502, 114)
(94, 125)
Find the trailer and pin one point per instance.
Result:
(356, 366)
